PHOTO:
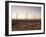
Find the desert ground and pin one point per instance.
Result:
(21, 25)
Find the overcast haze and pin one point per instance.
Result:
(19, 12)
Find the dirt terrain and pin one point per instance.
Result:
(19, 25)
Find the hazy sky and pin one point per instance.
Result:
(19, 12)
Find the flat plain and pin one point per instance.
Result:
(21, 25)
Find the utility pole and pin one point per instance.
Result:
(16, 16)
(26, 15)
